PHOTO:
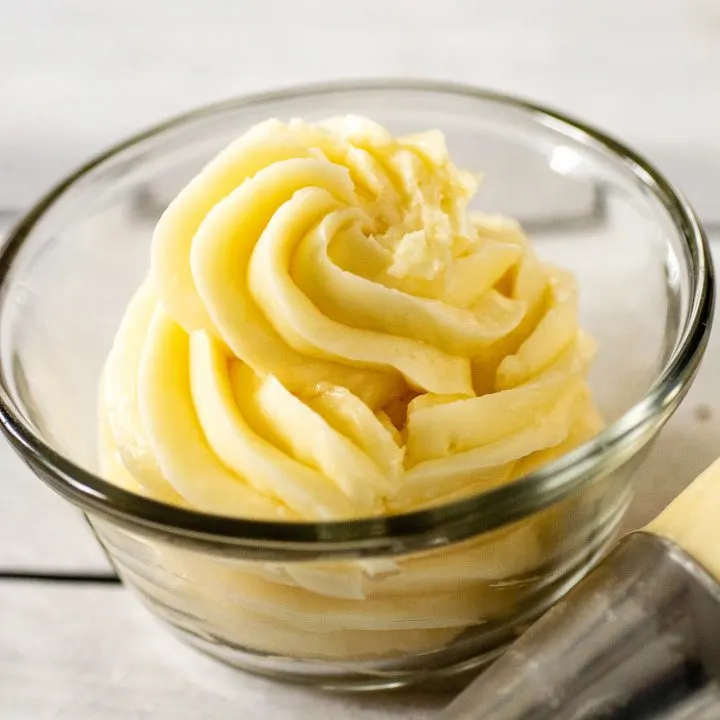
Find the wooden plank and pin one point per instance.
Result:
(70, 653)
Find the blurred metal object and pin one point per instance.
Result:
(639, 638)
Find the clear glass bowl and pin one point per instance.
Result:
(389, 601)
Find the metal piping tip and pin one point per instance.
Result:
(638, 638)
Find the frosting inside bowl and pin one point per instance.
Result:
(326, 332)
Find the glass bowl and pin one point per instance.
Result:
(390, 601)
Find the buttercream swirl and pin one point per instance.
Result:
(327, 332)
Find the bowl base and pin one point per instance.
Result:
(450, 669)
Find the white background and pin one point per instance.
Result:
(76, 75)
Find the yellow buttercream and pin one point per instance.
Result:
(325, 333)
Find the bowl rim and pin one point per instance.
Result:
(423, 529)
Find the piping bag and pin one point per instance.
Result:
(638, 638)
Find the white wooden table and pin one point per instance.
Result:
(76, 75)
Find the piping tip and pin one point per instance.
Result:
(638, 638)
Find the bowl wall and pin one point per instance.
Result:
(393, 621)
